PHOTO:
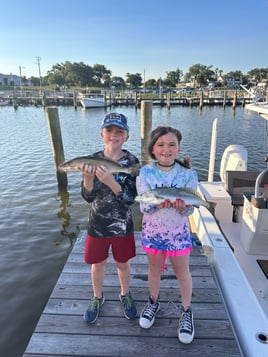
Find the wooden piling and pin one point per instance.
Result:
(201, 100)
(224, 99)
(44, 103)
(136, 100)
(146, 128)
(57, 146)
(75, 100)
(234, 100)
(168, 100)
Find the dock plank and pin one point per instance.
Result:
(61, 330)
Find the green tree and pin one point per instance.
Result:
(199, 74)
(134, 80)
(118, 82)
(150, 83)
(101, 74)
(173, 77)
(258, 74)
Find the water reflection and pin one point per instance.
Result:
(65, 216)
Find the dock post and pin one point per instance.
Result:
(201, 100)
(168, 100)
(14, 101)
(105, 99)
(146, 128)
(234, 100)
(224, 99)
(44, 101)
(136, 100)
(56, 144)
(75, 100)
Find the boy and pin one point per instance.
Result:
(110, 219)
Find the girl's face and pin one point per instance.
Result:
(166, 149)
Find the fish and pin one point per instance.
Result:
(160, 194)
(111, 165)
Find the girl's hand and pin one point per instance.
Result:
(180, 205)
(166, 204)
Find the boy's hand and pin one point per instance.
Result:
(88, 170)
(104, 175)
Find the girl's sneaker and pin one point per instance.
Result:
(148, 314)
(186, 326)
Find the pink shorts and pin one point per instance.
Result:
(97, 249)
(166, 253)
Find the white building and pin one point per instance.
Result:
(9, 80)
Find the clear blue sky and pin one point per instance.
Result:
(139, 36)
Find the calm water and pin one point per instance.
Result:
(38, 226)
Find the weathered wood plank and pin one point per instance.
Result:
(130, 346)
(61, 330)
(81, 292)
(166, 326)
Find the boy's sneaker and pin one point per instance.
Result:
(128, 306)
(186, 326)
(93, 309)
(148, 314)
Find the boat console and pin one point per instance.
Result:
(254, 226)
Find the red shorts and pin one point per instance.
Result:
(97, 249)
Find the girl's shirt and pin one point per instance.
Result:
(110, 215)
(166, 228)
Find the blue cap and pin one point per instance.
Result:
(115, 119)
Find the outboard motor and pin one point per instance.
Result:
(235, 158)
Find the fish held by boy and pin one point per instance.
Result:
(160, 194)
(111, 165)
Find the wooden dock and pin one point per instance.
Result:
(61, 330)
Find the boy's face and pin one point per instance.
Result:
(114, 135)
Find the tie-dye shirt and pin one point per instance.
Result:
(165, 229)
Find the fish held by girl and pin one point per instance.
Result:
(160, 194)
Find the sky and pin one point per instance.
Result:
(150, 37)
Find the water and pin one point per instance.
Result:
(39, 226)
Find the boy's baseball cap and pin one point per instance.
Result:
(115, 119)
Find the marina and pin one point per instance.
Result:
(108, 98)
(40, 226)
(61, 330)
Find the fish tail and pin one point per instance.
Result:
(135, 170)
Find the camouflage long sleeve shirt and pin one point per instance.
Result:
(109, 215)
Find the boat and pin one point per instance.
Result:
(260, 107)
(4, 102)
(92, 100)
(234, 237)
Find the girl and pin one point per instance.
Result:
(165, 227)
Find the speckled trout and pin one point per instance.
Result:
(159, 195)
(111, 165)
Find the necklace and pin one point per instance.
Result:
(171, 165)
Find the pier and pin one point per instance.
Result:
(44, 98)
(61, 330)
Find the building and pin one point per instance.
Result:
(9, 80)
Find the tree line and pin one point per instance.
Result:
(82, 75)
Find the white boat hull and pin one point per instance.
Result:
(248, 316)
(93, 102)
(260, 108)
